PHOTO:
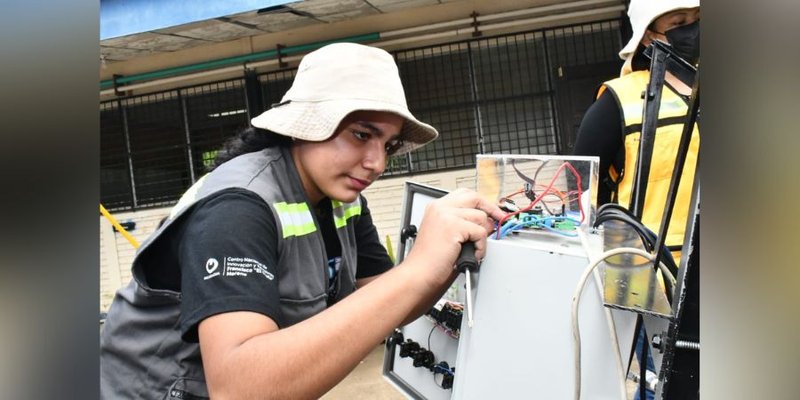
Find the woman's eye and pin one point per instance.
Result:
(393, 146)
(360, 135)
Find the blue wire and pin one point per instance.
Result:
(442, 369)
(530, 220)
(562, 233)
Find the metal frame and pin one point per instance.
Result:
(679, 372)
(679, 376)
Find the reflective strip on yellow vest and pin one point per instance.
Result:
(627, 91)
(344, 211)
(296, 219)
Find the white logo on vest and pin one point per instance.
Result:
(211, 266)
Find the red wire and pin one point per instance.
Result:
(515, 193)
(546, 191)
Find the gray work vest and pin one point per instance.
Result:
(142, 354)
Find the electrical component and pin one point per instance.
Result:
(447, 373)
(424, 358)
(409, 348)
(396, 337)
(447, 315)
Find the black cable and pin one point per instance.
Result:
(614, 206)
(531, 194)
(644, 232)
(667, 259)
(523, 176)
(648, 237)
(429, 336)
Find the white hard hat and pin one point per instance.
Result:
(643, 12)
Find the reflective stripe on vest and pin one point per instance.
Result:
(344, 211)
(296, 219)
(188, 198)
(627, 92)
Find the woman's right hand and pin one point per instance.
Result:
(458, 217)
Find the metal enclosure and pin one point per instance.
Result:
(521, 343)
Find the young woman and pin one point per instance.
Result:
(268, 279)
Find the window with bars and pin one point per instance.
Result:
(153, 147)
(485, 95)
(213, 113)
(274, 85)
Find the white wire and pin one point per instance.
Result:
(667, 273)
(576, 335)
(612, 328)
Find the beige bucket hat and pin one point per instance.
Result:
(332, 82)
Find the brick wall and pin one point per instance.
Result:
(385, 199)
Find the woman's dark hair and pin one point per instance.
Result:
(640, 61)
(248, 140)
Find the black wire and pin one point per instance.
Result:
(434, 370)
(429, 336)
(614, 206)
(523, 176)
(536, 174)
(646, 240)
(531, 194)
(644, 232)
(647, 236)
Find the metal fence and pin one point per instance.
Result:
(485, 95)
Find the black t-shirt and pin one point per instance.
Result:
(600, 134)
(236, 225)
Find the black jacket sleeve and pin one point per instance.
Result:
(600, 134)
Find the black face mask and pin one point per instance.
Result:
(685, 40)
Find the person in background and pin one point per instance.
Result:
(612, 125)
(268, 279)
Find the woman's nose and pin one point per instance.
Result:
(375, 157)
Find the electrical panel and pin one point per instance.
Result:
(521, 344)
(420, 357)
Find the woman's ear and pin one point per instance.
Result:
(647, 37)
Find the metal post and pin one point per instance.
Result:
(188, 138)
(677, 171)
(652, 98)
(128, 154)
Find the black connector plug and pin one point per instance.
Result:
(409, 348)
(424, 358)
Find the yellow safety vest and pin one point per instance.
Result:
(627, 91)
